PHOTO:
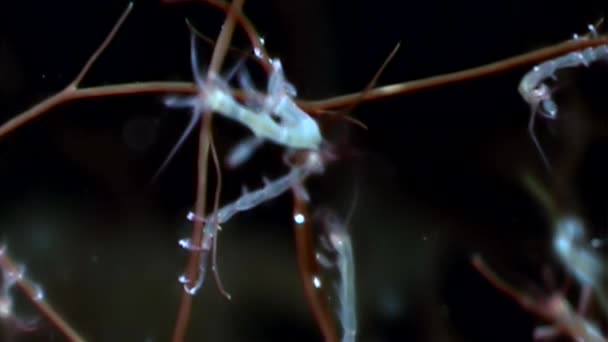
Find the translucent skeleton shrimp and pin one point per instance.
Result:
(279, 120)
(575, 252)
(538, 94)
(272, 189)
(340, 243)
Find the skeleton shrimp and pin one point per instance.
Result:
(339, 242)
(294, 127)
(573, 249)
(248, 200)
(538, 95)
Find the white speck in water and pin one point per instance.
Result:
(299, 218)
(185, 243)
(182, 279)
(191, 216)
(316, 282)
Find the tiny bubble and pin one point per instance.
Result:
(187, 244)
(317, 282)
(193, 217)
(182, 279)
(299, 218)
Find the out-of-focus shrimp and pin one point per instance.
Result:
(340, 242)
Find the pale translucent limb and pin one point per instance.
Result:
(340, 241)
(247, 201)
(296, 128)
(280, 102)
(243, 151)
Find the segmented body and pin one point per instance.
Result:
(538, 94)
(247, 201)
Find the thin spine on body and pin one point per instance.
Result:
(538, 94)
(339, 239)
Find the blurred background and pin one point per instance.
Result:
(439, 173)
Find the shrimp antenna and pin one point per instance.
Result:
(212, 42)
(194, 61)
(532, 132)
(196, 110)
(230, 74)
(180, 142)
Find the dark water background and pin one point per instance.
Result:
(439, 172)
